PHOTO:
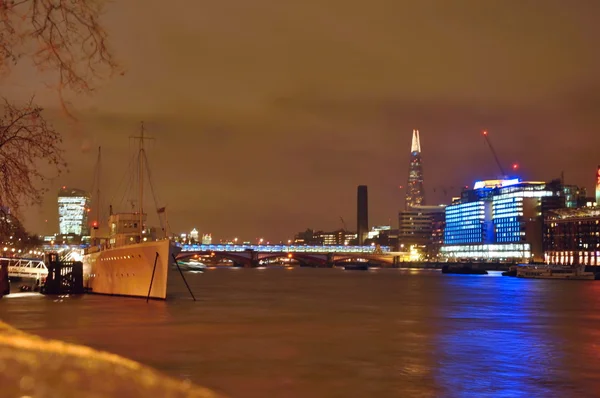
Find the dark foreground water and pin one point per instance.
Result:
(335, 333)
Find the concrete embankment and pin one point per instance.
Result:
(35, 367)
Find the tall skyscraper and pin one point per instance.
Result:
(73, 205)
(415, 194)
(362, 214)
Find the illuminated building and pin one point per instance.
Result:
(468, 223)
(305, 238)
(500, 220)
(598, 186)
(572, 236)
(332, 238)
(73, 207)
(194, 235)
(315, 238)
(362, 214)
(376, 231)
(206, 239)
(422, 227)
(415, 194)
(574, 196)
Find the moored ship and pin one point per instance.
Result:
(554, 272)
(128, 269)
(127, 259)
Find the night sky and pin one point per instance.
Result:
(268, 114)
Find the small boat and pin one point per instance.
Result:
(463, 269)
(554, 272)
(356, 266)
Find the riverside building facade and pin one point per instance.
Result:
(499, 220)
(421, 227)
(572, 236)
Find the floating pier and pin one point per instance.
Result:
(64, 277)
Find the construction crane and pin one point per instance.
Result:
(343, 223)
(487, 139)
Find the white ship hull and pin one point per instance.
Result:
(127, 270)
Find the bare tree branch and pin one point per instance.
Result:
(62, 36)
(26, 140)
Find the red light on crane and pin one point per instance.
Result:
(515, 166)
(484, 132)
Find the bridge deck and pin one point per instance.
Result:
(25, 267)
(285, 248)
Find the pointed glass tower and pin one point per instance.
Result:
(415, 194)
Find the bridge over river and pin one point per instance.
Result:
(317, 256)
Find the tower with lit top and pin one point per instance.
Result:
(415, 194)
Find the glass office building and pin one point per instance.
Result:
(466, 223)
(498, 220)
(73, 207)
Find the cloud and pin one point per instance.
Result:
(266, 115)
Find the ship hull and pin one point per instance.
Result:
(128, 270)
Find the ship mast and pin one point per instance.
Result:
(98, 187)
(141, 176)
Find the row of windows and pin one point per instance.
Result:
(464, 236)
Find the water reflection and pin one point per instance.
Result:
(508, 343)
(314, 332)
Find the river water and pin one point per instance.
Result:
(334, 333)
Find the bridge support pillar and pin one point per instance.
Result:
(330, 260)
(4, 284)
(254, 262)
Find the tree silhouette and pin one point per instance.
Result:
(60, 36)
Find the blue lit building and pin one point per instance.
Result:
(499, 220)
(467, 223)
